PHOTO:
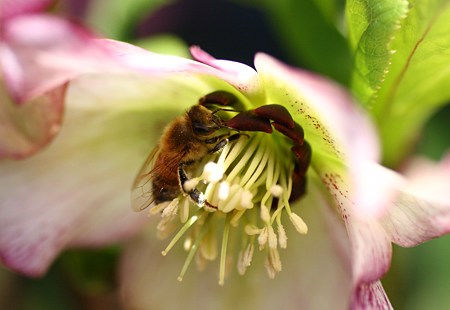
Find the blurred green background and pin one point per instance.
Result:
(304, 33)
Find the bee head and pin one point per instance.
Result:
(204, 122)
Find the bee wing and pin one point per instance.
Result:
(141, 192)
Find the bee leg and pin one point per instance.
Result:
(196, 196)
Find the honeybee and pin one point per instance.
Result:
(184, 142)
(189, 138)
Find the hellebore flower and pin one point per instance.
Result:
(75, 190)
(376, 206)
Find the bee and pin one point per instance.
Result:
(184, 142)
(188, 139)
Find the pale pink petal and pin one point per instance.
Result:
(241, 76)
(429, 180)
(422, 209)
(139, 59)
(40, 52)
(370, 296)
(373, 189)
(11, 8)
(215, 71)
(147, 275)
(38, 55)
(371, 245)
(371, 250)
(26, 128)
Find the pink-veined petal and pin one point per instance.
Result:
(370, 296)
(371, 250)
(421, 211)
(371, 245)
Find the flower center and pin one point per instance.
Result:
(250, 182)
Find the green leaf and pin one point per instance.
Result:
(418, 80)
(401, 89)
(371, 26)
(311, 32)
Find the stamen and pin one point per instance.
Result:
(256, 164)
(272, 238)
(265, 214)
(170, 210)
(223, 252)
(258, 172)
(236, 217)
(191, 253)
(159, 207)
(242, 162)
(184, 211)
(276, 190)
(187, 244)
(212, 172)
(230, 154)
(245, 258)
(234, 202)
(263, 237)
(273, 263)
(282, 237)
(246, 199)
(298, 223)
(252, 230)
(180, 233)
(224, 190)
